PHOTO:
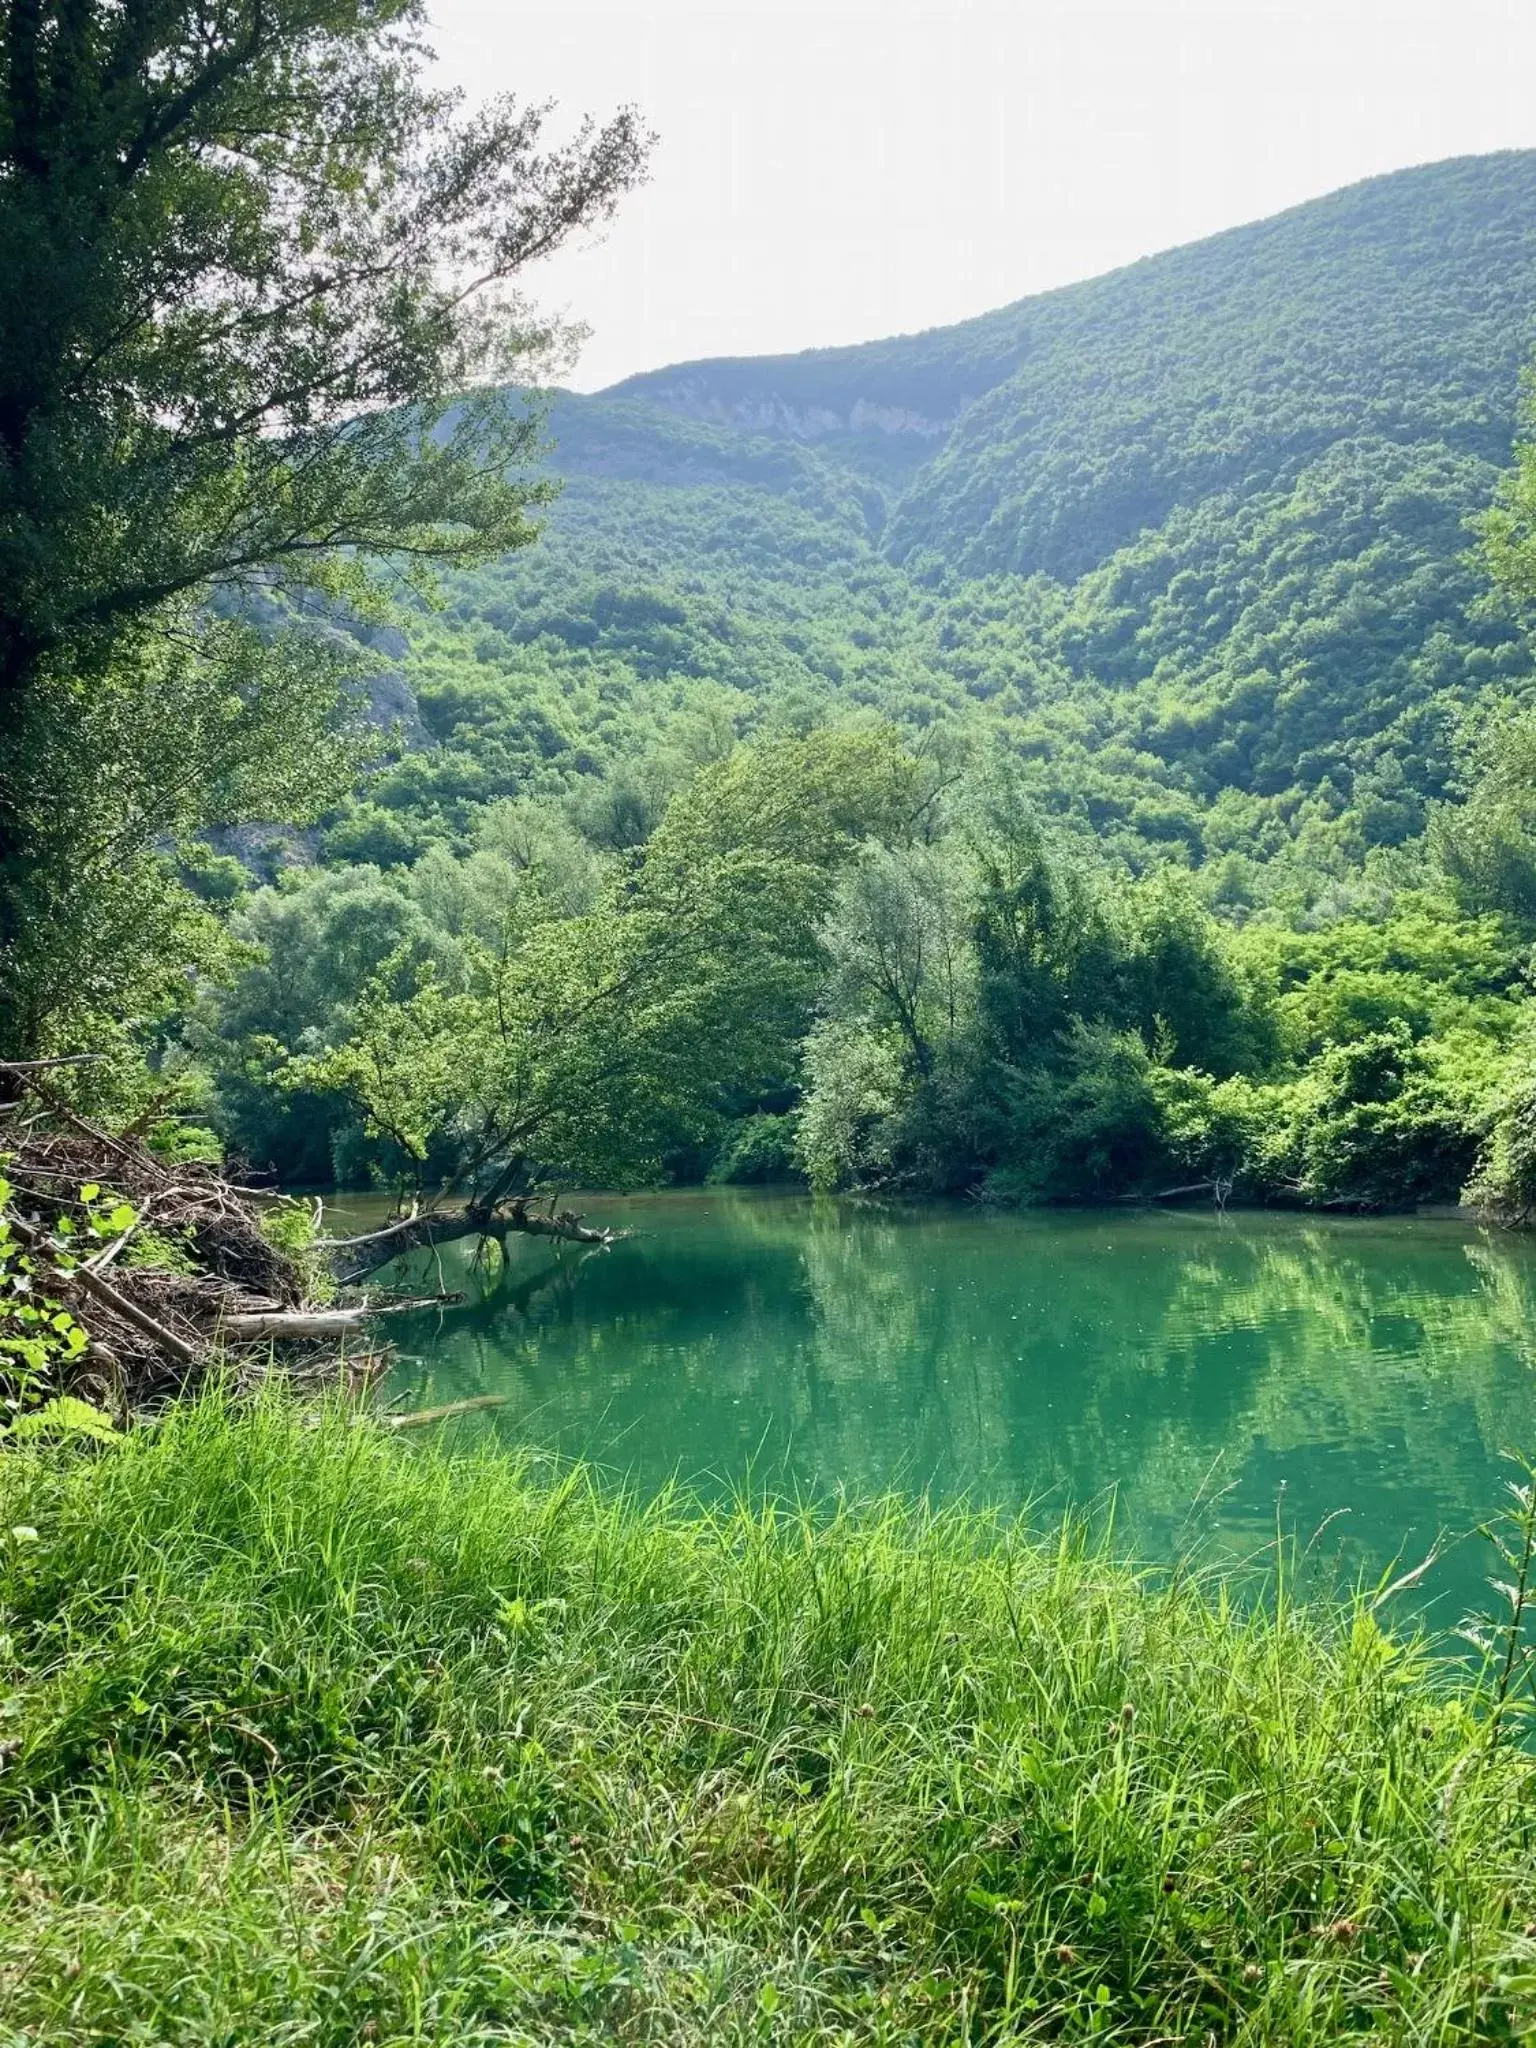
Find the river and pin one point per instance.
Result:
(1205, 1379)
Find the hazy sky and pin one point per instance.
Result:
(834, 170)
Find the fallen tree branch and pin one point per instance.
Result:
(323, 1322)
(377, 1248)
(420, 1416)
(120, 1305)
(131, 1313)
(102, 1260)
(99, 1261)
(156, 1323)
(66, 1059)
(135, 1155)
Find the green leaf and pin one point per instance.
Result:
(63, 1415)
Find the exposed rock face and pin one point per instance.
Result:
(386, 698)
(391, 704)
(897, 419)
(265, 849)
(387, 702)
(768, 413)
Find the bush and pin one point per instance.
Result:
(1085, 1128)
(855, 1082)
(1503, 1180)
(1381, 1123)
(759, 1151)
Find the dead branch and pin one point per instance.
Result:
(435, 1227)
(67, 1059)
(283, 1324)
(418, 1417)
(99, 1261)
(76, 1122)
(236, 1296)
(77, 1277)
(151, 1328)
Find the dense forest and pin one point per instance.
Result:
(1092, 741)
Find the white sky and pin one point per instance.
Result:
(835, 170)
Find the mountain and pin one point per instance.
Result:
(1054, 431)
(1191, 539)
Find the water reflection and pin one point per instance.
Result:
(1203, 1370)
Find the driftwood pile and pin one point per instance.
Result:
(230, 1292)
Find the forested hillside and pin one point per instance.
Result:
(1188, 555)
(1195, 534)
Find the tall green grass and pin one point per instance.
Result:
(313, 1736)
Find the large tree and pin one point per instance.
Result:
(584, 1048)
(258, 311)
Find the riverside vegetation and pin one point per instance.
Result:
(1075, 754)
(309, 1737)
(1022, 794)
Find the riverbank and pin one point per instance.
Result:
(310, 1734)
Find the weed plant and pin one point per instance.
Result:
(312, 1735)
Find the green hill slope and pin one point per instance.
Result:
(1060, 427)
(1192, 539)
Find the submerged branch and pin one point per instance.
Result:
(417, 1418)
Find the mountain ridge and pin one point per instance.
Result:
(1201, 563)
(1192, 589)
(806, 394)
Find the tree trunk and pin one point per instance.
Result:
(353, 1258)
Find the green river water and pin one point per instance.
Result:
(1355, 1379)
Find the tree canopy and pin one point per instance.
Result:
(259, 301)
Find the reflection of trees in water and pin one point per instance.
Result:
(1361, 1342)
(1506, 1275)
(1025, 1349)
(656, 1355)
(1391, 1371)
(1379, 1367)
(1382, 1369)
(883, 1361)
